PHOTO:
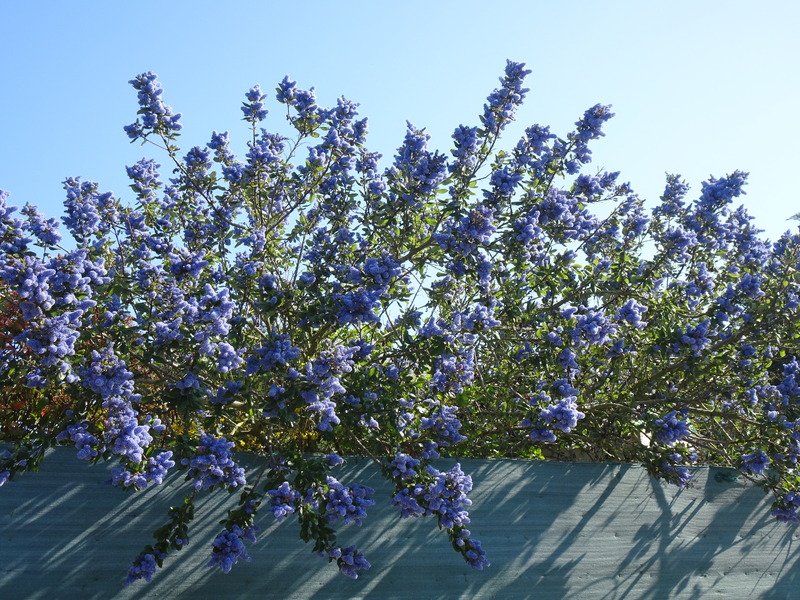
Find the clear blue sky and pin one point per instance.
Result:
(699, 88)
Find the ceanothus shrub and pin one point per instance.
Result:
(307, 301)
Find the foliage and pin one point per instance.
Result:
(305, 304)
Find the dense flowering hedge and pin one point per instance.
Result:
(306, 304)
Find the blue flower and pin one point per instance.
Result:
(88, 212)
(424, 170)
(87, 444)
(785, 507)
(471, 548)
(672, 204)
(358, 306)
(144, 567)
(502, 103)
(671, 429)
(563, 415)
(45, 230)
(443, 497)
(275, 352)
(108, 375)
(229, 548)
(466, 142)
(719, 192)
(403, 466)
(454, 372)
(590, 127)
(213, 465)
(632, 312)
(283, 501)
(755, 463)
(349, 560)
(253, 109)
(695, 338)
(592, 328)
(349, 504)
(156, 116)
(443, 423)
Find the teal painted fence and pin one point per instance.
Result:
(551, 530)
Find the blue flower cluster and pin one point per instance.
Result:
(755, 463)
(504, 183)
(674, 469)
(443, 495)
(324, 375)
(403, 466)
(55, 297)
(87, 444)
(454, 372)
(672, 204)
(109, 377)
(678, 242)
(632, 312)
(421, 170)
(276, 351)
(785, 507)
(502, 103)
(592, 327)
(466, 148)
(229, 548)
(144, 567)
(264, 154)
(383, 270)
(358, 306)
(185, 264)
(254, 110)
(213, 465)
(443, 424)
(471, 549)
(89, 212)
(467, 234)
(566, 358)
(302, 101)
(561, 215)
(671, 429)
(563, 415)
(789, 386)
(589, 127)
(12, 231)
(44, 230)
(719, 192)
(283, 501)
(123, 434)
(695, 337)
(156, 116)
(155, 471)
(702, 284)
(144, 175)
(347, 503)
(349, 560)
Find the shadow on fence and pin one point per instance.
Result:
(551, 530)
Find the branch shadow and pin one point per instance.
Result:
(552, 530)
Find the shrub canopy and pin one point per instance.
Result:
(306, 304)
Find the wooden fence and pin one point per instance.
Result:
(551, 530)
